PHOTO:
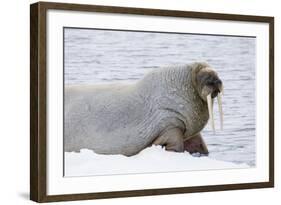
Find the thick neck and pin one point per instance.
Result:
(172, 90)
(170, 86)
(182, 81)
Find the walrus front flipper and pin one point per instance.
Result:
(171, 139)
(196, 144)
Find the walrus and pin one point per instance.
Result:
(168, 107)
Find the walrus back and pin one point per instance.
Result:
(102, 118)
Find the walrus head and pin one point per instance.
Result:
(209, 87)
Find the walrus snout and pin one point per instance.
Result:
(211, 88)
(215, 86)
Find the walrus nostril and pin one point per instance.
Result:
(214, 82)
(217, 82)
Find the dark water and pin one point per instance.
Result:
(97, 56)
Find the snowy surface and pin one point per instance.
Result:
(152, 159)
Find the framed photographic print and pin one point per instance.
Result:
(134, 102)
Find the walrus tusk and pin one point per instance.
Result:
(221, 90)
(220, 109)
(210, 109)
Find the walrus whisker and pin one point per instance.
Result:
(220, 109)
(210, 109)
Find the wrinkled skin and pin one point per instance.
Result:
(167, 107)
(207, 82)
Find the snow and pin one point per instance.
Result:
(150, 160)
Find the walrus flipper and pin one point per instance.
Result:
(196, 144)
(171, 139)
